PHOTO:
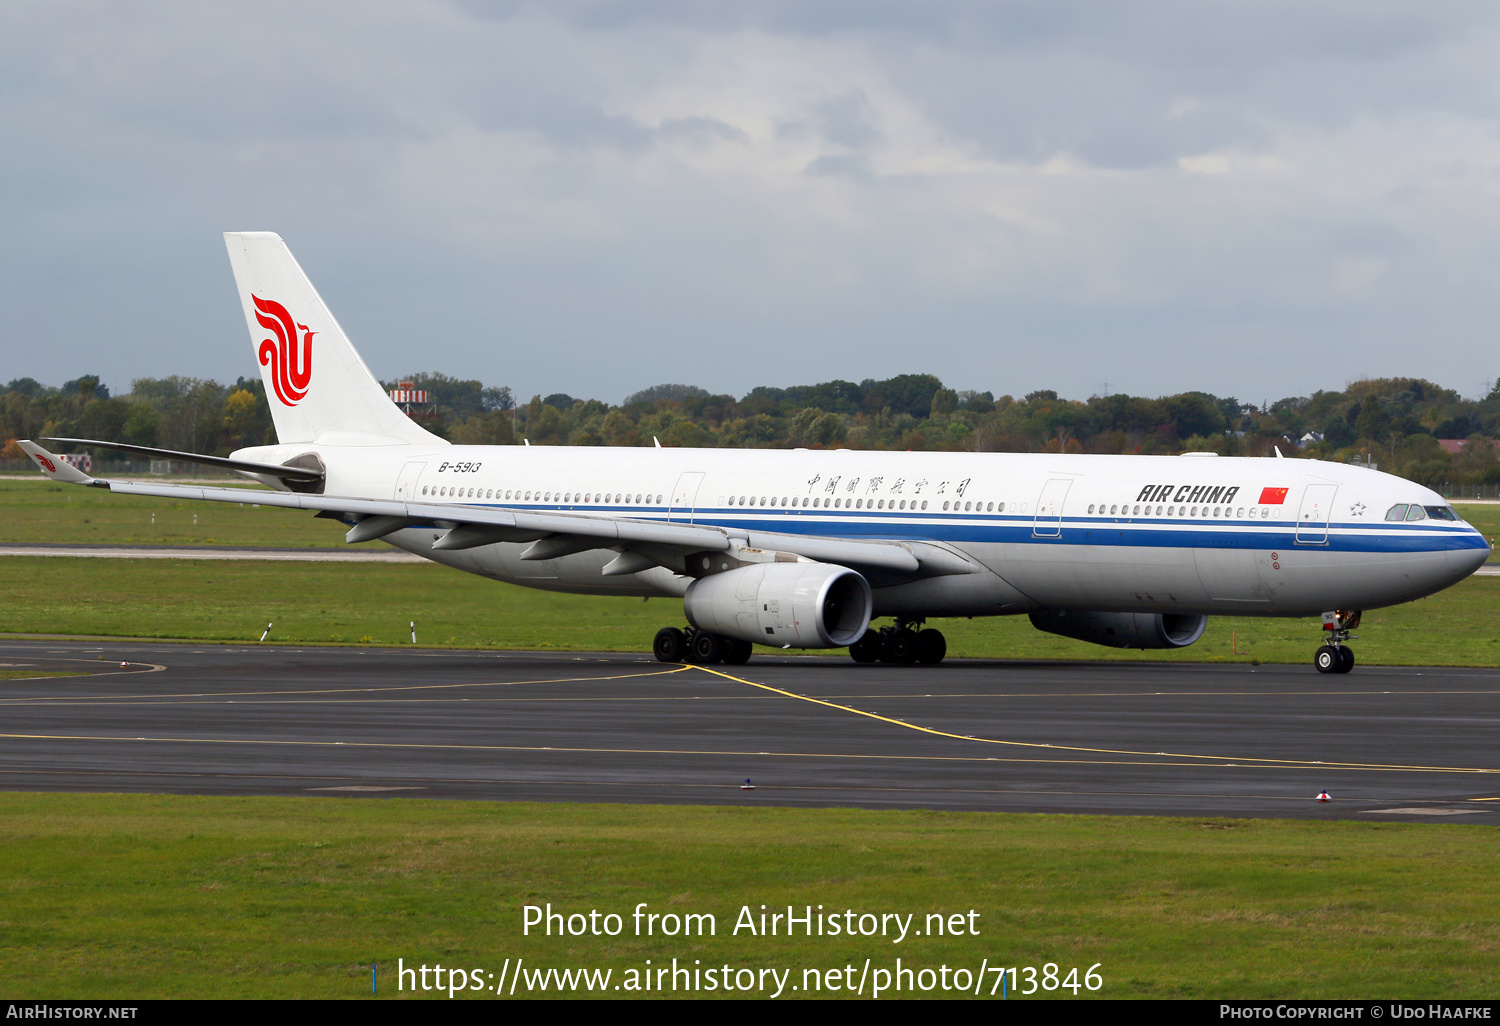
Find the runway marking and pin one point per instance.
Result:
(1305, 763)
(110, 699)
(225, 697)
(128, 669)
(1269, 764)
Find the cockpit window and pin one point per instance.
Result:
(1441, 512)
(1396, 512)
(1416, 513)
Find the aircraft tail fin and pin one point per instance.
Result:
(318, 388)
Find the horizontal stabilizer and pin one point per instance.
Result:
(247, 466)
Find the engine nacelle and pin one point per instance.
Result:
(796, 605)
(1124, 630)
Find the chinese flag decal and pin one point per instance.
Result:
(1272, 496)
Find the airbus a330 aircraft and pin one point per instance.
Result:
(803, 549)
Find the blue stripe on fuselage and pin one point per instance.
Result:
(1166, 532)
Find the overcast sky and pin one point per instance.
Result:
(1255, 199)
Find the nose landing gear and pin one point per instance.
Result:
(1335, 656)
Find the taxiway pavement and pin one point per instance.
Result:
(1096, 737)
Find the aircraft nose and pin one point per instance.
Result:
(1464, 562)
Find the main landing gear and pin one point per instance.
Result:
(691, 645)
(1336, 656)
(900, 643)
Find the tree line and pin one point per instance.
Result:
(1396, 423)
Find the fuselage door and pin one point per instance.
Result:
(1312, 518)
(1049, 509)
(406, 484)
(685, 496)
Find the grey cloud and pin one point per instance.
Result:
(841, 166)
(846, 120)
(475, 187)
(701, 130)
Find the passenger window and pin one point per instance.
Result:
(1002, 507)
(1112, 510)
(924, 503)
(1091, 507)
(1416, 513)
(945, 505)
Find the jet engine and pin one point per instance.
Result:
(1124, 630)
(791, 605)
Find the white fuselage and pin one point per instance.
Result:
(1155, 534)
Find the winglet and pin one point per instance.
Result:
(54, 466)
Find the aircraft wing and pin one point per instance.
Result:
(551, 534)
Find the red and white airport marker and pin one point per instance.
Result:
(1323, 796)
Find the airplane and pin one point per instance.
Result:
(803, 549)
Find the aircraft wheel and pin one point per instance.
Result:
(737, 652)
(931, 646)
(867, 648)
(670, 645)
(900, 647)
(1346, 659)
(1326, 659)
(708, 648)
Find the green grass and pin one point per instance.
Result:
(165, 896)
(29, 674)
(1483, 516)
(371, 603)
(45, 512)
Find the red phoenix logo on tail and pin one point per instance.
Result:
(290, 373)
